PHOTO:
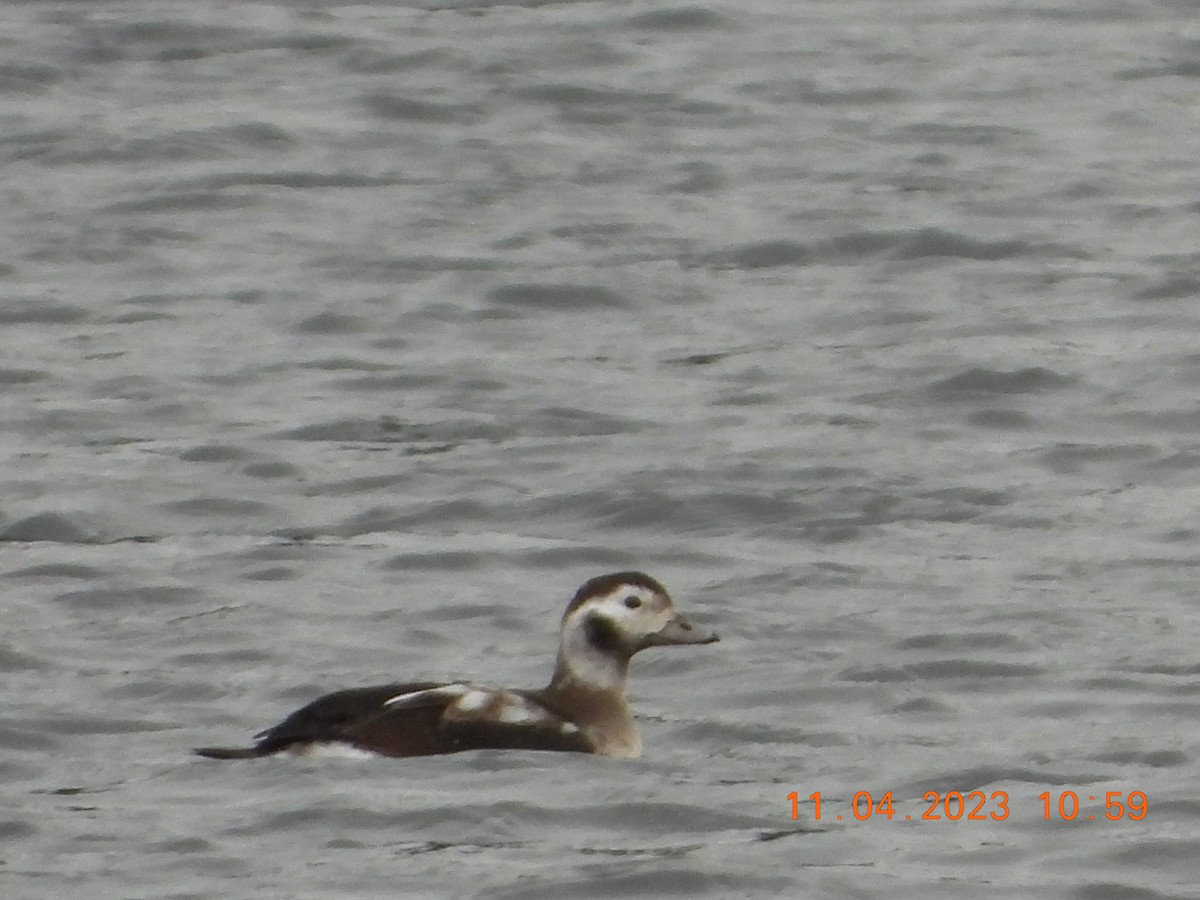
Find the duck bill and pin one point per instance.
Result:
(680, 631)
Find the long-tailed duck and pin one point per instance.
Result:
(583, 709)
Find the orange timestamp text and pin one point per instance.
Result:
(980, 806)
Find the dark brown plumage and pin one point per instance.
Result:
(583, 709)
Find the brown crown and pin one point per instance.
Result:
(606, 584)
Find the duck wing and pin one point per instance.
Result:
(330, 718)
(462, 716)
(420, 718)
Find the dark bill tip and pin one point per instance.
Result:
(680, 631)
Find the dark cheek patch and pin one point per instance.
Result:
(602, 634)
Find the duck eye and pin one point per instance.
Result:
(633, 601)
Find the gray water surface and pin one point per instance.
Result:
(340, 343)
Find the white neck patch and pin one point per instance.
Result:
(633, 611)
(585, 662)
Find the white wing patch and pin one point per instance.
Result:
(473, 702)
(522, 711)
(519, 714)
(414, 699)
(488, 704)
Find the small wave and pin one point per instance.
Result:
(656, 881)
(214, 453)
(942, 669)
(39, 312)
(978, 382)
(396, 108)
(123, 598)
(59, 570)
(681, 18)
(218, 506)
(1176, 286)
(61, 528)
(1156, 759)
(558, 297)
(1119, 890)
(908, 244)
(1066, 458)
(28, 77)
(979, 640)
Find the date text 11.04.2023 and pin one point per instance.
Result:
(979, 806)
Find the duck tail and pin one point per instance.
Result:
(231, 752)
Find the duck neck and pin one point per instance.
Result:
(589, 671)
(589, 687)
(591, 693)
